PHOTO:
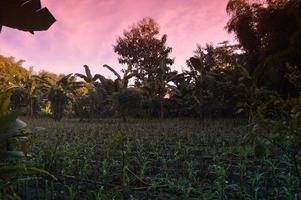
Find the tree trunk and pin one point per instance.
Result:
(123, 115)
(161, 106)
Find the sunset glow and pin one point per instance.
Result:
(150, 99)
(85, 32)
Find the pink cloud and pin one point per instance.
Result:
(86, 30)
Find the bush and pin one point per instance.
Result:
(128, 102)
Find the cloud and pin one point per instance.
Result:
(86, 30)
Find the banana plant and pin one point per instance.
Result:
(162, 83)
(156, 89)
(125, 99)
(248, 82)
(97, 97)
(65, 90)
(207, 88)
(89, 79)
(29, 91)
(188, 88)
(121, 82)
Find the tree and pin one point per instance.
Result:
(8, 69)
(219, 59)
(210, 81)
(270, 33)
(143, 49)
(51, 77)
(242, 23)
(97, 98)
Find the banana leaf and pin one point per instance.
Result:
(25, 15)
(113, 71)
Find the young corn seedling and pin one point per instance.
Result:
(219, 185)
(256, 184)
(72, 193)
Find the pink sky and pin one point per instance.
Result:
(86, 30)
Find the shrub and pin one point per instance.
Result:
(128, 102)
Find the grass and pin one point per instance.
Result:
(149, 159)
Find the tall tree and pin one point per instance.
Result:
(142, 47)
(270, 33)
(145, 50)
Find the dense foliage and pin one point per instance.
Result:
(218, 81)
(270, 33)
(185, 156)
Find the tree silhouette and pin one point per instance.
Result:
(270, 33)
(142, 48)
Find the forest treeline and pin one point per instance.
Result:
(219, 81)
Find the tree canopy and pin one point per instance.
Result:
(142, 47)
(10, 68)
(270, 33)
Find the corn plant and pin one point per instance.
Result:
(72, 192)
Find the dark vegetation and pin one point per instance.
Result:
(226, 127)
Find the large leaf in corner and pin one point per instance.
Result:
(25, 15)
